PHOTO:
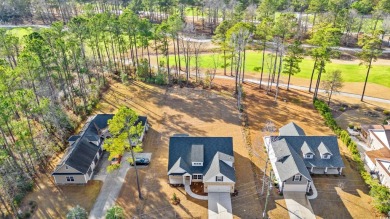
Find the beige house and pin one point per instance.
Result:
(81, 158)
(86, 149)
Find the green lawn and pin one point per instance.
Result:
(20, 31)
(380, 74)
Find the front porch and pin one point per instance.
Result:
(333, 171)
(187, 187)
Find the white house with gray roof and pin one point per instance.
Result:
(294, 156)
(202, 159)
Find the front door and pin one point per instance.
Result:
(187, 179)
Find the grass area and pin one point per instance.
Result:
(380, 74)
(20, 31)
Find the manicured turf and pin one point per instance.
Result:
(379, 74)
(20, 31)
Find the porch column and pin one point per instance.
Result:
(341, 170)
(311, 169)
(326, 169)
(308, 186)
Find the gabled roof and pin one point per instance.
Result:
(297, 142)
(215, 149)
(88, 142)
(383, 153)
(323, 149)
(306, 149)
(83, 150)
(289, 163)
(291, 129)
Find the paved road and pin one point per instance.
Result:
(296, 87)
(298, 205)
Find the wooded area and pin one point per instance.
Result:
(52, 78)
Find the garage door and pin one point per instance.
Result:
(295, 187)
(218, 188)
(176, 179)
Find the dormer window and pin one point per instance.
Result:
(219, 178)
(308, 156)
(325, 156)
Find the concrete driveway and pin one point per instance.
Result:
(298, 205)
(112, 183)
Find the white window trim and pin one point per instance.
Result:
(308, 156)
(297, 178)
(326, 156)
(197, 164)
(197, 176)
(219, 178)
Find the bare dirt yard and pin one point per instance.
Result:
(55, 201)
(173, 110)
(346, 195)
(213, 113)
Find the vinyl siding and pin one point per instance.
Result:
(78, 179)
(63, 169)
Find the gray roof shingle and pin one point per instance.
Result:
(197, 153)
(306, 148)
(181, 147)
(291, 129)
(291, 145)
(84, 149)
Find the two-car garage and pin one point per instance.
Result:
(218, 188)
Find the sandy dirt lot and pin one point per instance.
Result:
(180, 110)
(55, 201)
(346, 195)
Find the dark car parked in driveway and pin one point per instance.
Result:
(140, 161)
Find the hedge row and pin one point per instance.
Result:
(380, 193)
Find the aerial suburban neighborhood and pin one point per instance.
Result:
(212, 109)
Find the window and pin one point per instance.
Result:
(308, 156)
(66, 167)
(197, 164)
(197, 176)
(219, 178)
(69, 179)
(326, 156)
(297, 178)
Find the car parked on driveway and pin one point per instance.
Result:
(140, 161)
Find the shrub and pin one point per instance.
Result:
(342, 109)
(379, 192)
(351, 126)
(386, 112)
(113, 167)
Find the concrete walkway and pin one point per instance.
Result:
(298, 205)
(190, 193)
(110, 190)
